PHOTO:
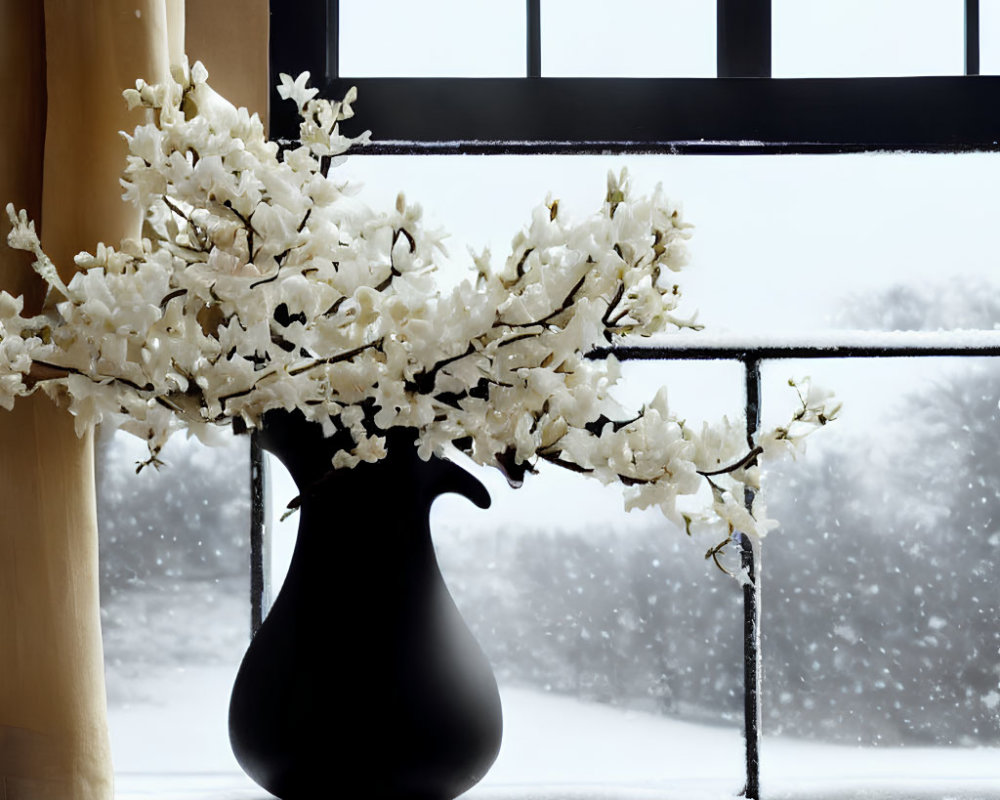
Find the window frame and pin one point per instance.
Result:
(742, 111)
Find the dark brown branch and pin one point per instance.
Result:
(552, 458)
(423, 382)
(279, 259)
(247, 225)
(613, 304)
(176, 293)
(199, 232)
(305, 219)
(618, 318)
(566, 303)
(714, 553)
(393, 274)
(520, 264)
(345, 356)
(59, 371)
(269, 279)
(409, 238)
(743, 462)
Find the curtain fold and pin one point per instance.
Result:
(64, 64)
(22, 135)
(94, 50)
(61, 157)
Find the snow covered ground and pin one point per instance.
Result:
(555, 748)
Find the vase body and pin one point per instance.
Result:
(363, 680)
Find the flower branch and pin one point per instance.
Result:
(255, 257)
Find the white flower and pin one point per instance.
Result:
(296, 89)
(371, 449)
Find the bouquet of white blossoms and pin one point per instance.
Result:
(261, 283)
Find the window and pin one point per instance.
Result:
(631, 39)
(848, 39)
(439, 38)
(813, 229)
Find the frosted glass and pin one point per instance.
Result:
(861, 38)
(432, 38)
(628, 39)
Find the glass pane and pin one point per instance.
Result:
(617, 646)
(628, 39)
(780, 244)
(880, 627)
(989, 37)
(174, 603)
(432, 38)
(859, 38)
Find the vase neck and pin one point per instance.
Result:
(401, 477)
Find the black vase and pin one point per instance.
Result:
(364, 681)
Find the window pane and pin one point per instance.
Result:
(880, 626)
(628, 39)
(859, 38)
(174, 605)
(780, 244)
(989, 37)
(432, 38)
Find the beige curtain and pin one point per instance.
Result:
(64, 64)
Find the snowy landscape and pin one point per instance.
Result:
(555, 748)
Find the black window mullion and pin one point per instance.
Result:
(304, 36)
(743, 38)
(684, 115)
(750, 561)
(534, 38)
(260, 565)
(332, 39)
(971, 37)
